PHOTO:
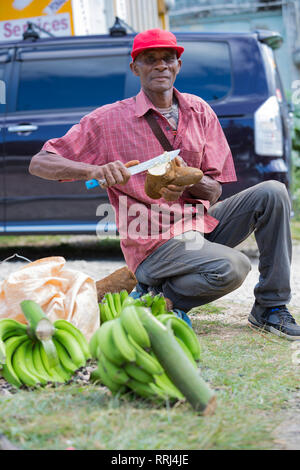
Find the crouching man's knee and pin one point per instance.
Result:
(234, 271)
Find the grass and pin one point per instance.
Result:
(295, 228)
(253, 376)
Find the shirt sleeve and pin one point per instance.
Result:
(82, 142)
(217, 161)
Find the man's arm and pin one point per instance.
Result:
(52, 166)
(207, 189)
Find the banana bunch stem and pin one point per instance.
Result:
(177, 366)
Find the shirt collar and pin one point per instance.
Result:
(143, 103)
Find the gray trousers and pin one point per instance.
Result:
(193, 275)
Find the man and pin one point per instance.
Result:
(118, 134)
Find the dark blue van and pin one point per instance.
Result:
(51, 83)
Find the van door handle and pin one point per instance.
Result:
(22, 128)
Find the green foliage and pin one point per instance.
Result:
(296, 162)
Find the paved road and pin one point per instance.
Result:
(101, 268)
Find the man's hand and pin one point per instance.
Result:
(173, 192)
(113, 172)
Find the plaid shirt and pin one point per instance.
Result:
(119, 131)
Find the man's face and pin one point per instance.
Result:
(157, 69)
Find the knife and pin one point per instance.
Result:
(134, 170)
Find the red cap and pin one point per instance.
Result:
(154, 38)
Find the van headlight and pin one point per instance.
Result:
(268, 129)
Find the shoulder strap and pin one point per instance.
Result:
(158, 132)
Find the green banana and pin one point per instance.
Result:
(72, 346)
(78, 335)
(103, 315)
(8, 371)
(108, 313)
(133, 326)
(158, 306)
(94, 343)
(51, 352)
(110, 301)
(64, 357)
(144, 390)
(167, 386)
(117, 302)
(63, 373)
(184, 332)
(106, 380)
(20, 366)
(143, 359)
(131, 301)
(150, 390)
(9, 327)
(115, 373)
(102, 340)
(121, 341)
(38, 363)
(137, 373)
(148, 300)
(123, 295)
(42, 378)
(51, 371)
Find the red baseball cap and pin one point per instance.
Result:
(154, 38)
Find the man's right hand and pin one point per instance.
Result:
(113, 172)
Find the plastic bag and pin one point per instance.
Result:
(60, 291)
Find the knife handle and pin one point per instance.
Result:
(93, 183)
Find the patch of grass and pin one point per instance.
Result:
(252, 374)
(295, 228)
(206, 309)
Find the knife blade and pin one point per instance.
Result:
(134, 170)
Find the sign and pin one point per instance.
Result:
(54, 16)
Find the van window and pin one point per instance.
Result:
(206, 70)
(71, 83)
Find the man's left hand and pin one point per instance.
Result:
(172, 192)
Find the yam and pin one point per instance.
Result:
(121, 279)
(172, 172)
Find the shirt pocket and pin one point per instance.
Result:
(192, 158)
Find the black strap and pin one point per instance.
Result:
(157, 131)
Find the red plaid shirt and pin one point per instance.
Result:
(119, 131)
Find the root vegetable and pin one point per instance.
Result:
(121, 279)
(172, 172)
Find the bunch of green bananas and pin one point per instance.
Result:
(112, 304)
(30, 356)
(126, 359)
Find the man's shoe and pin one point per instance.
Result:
(276, 320)
(184, 316)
